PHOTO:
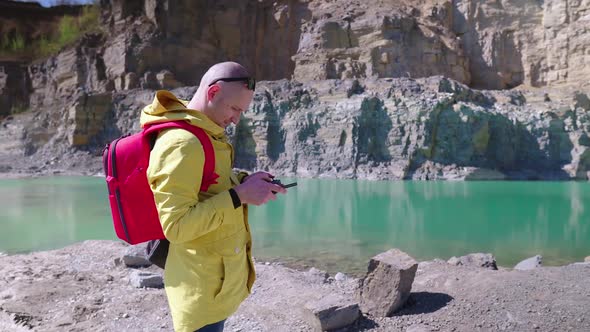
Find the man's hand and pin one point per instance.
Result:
(257, 189)
(257, 174)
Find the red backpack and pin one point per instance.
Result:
(126, 160)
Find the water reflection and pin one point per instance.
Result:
(352, 220)
(49, 213)
(340, 223)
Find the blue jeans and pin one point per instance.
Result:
(215, 327)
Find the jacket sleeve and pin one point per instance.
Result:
(241, 176)
(175, 173)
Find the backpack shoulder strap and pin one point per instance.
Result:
(209, 175)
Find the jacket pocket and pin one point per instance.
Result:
(235, 268)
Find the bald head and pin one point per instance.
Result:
(215, 99)
(223, 70)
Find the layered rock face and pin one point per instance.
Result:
(411, 129)
(426, 129)
(380, 39)
(536, 43)
(350, 89)
(187, 37)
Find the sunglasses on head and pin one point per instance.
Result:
(249, 81)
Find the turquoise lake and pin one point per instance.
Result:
(339, 224)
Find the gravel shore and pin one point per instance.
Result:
(85, 287)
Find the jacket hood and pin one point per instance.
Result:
(167, 107)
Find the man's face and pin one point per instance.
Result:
(228, 103)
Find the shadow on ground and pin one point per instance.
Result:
(423, 303)
(418, 303)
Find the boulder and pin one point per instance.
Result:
(388, 283)
(487, 261)
(530, 263)
(141, 279)
(331, 312)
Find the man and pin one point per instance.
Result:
(209, 269)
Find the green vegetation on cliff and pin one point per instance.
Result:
(68, 30)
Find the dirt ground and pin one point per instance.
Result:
(82, 288)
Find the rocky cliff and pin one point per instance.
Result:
(372, 89)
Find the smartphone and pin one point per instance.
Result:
(277, 181)
(289, 185)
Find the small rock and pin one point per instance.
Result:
(340, 276)
(317, 274)
(454, 261)
(118, 261)
(331, 312)
(546, 97)
(418, 328)
(141, 279)
(487, 261)
(125, 315)
(529, 263)
(587, 259)
(135, 256)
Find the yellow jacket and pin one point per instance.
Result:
(209, 269)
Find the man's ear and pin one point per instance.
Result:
(212, 92)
